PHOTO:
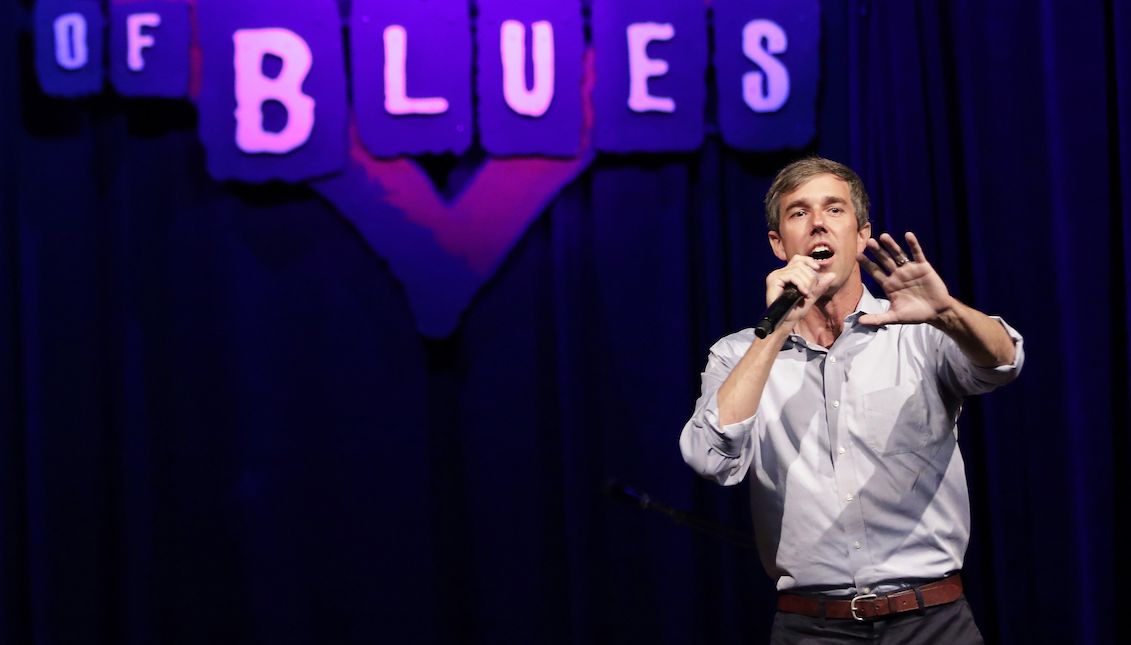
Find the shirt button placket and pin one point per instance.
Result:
(845, 473)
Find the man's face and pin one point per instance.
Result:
(819, 220)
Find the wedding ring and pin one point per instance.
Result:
(901, 260)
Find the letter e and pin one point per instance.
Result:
(641, 68)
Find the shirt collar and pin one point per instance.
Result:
(868, 304)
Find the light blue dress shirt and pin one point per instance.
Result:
(857, 484)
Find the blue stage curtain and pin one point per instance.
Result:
(219, 424)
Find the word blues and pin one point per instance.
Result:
(422, 79)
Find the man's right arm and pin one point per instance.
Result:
(716, 439)
(742, 390)
(739, 394)
(715, 442)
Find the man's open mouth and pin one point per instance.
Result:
(821, 252)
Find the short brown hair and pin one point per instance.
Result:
(802, 171)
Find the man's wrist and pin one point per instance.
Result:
(949, 316)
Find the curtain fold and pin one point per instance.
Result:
(218, 422)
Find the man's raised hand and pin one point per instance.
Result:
(916, 291)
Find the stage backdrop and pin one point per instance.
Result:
(221, 423)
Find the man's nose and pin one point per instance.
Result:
(818, 221)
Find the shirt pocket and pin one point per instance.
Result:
(895, 420)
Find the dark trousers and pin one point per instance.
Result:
(952, 624)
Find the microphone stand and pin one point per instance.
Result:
(629, 495)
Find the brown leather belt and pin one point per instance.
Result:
(867, 606)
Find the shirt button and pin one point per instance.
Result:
(848, 497)
(857, 545)
(832, 359)
(836, 404)
(840, 450)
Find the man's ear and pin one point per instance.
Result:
(776, 245)
(862, 237)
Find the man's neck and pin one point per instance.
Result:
(825, 321)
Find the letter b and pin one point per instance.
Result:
(254, 88)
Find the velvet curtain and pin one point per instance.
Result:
(218, 423)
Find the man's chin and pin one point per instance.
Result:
(839, 283)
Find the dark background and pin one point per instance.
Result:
(219, 424)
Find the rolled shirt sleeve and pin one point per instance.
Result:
(715, 451)
(965, 378)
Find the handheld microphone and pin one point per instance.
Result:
(788, 298)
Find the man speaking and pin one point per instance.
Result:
(843, 414)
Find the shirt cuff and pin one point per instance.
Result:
(1018, 351)
(726, 440)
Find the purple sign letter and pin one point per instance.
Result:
(273, 93)
(411, 66)
(530, 62)
(651, 92)
(766, 55)
(149, 49)
(68, 47)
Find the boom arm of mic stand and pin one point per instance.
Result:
(631, 496)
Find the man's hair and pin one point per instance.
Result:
(803, 170)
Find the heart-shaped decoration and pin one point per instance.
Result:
(444, 252)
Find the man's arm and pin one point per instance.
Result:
(983, 339)
(918, 295)
(716, 440)
(717, 451)
(741, 391)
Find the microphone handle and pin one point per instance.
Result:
(780, 307)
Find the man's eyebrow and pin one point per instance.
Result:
(795, 203)
(828, 199)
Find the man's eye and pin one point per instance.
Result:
(798, 214)
(836, 209)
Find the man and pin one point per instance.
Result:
(844, 418)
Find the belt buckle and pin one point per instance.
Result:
(858, 598)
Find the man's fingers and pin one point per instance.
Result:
(803, 281)
(874, 320)
(801, 272)
(882, 256)
(893, 249)
(916, 250)
(824, 282)
(804, 260)
(872, 268)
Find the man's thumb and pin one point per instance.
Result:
(824, 282)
